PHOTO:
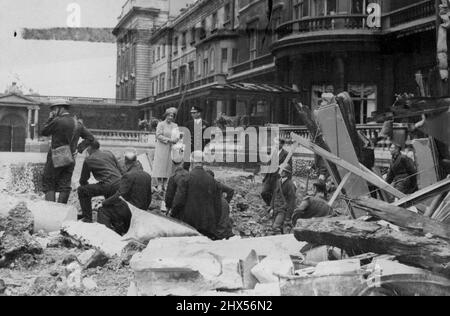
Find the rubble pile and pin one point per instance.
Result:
(21, 178)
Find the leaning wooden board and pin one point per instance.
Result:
(337, 137)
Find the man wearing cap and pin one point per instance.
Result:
(197, 127)
(198, 202)
(135, 188)
(402, 172)
(65, 130)
(105, 168)
(284, 201)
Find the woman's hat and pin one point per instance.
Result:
(169, 111)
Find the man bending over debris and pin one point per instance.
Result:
(177, 183)
(106, 170)
(314, 206)
(65, 130)
(284, 201)
(270, 179)
(199, 199)
(225, 226)
(402, 172)
(136, 189)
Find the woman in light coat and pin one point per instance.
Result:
(166, 136)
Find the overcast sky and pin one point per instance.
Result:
(57, 67)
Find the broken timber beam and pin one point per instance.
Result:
(402, 217)
(424, 194)
(357, 236)
(368, 176)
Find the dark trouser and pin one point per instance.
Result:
(116, 217)
(269, 185)
(87, 192)
(225, 226)
(57, 179)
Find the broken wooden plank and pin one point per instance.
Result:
(358, 236)
(424, 194)
(347, 108)
(402, 217)
(339, 189)
(426, 163)
(369, 177)
(437, 201)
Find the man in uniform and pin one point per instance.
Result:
(106, 170)
(64, 130)
(197, 127)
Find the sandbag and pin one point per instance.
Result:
(146, 226)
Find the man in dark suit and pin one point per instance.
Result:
(197, 127)
(270, 179)
(198, 200)
(136, 188)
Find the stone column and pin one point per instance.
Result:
(36, 123)
(29, 123)
(339, 66)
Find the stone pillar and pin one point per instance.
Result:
(339, 68)
(29, 123)
(36, 123)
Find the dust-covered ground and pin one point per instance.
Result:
(45, 274)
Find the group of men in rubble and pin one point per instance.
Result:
(193, 195)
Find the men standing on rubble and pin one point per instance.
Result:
(199, 200)
(106, 170)
(271, 178)
(284, 201)
(65, 131)
(135, 188)
(402, 172)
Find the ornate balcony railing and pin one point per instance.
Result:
(410, 13)
(323, 23)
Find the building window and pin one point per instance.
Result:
(300, 9)
(357, 6)
(191, 72)
(212, 58)
(193, 35)
(199, 65)
(163, 51)
(158, 53)
(162, 82)
(214, 22)
(323, 7)
(153, 56)
(182, 75)
(235, 57)
(174, 78)
(203, 30)
(275, 24)
(205, 66)
(316, 95)
(224, 63)
(183, 40)
(365, 101)
(227, 12)
(175, 45)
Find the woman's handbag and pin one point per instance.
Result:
(63, 156)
